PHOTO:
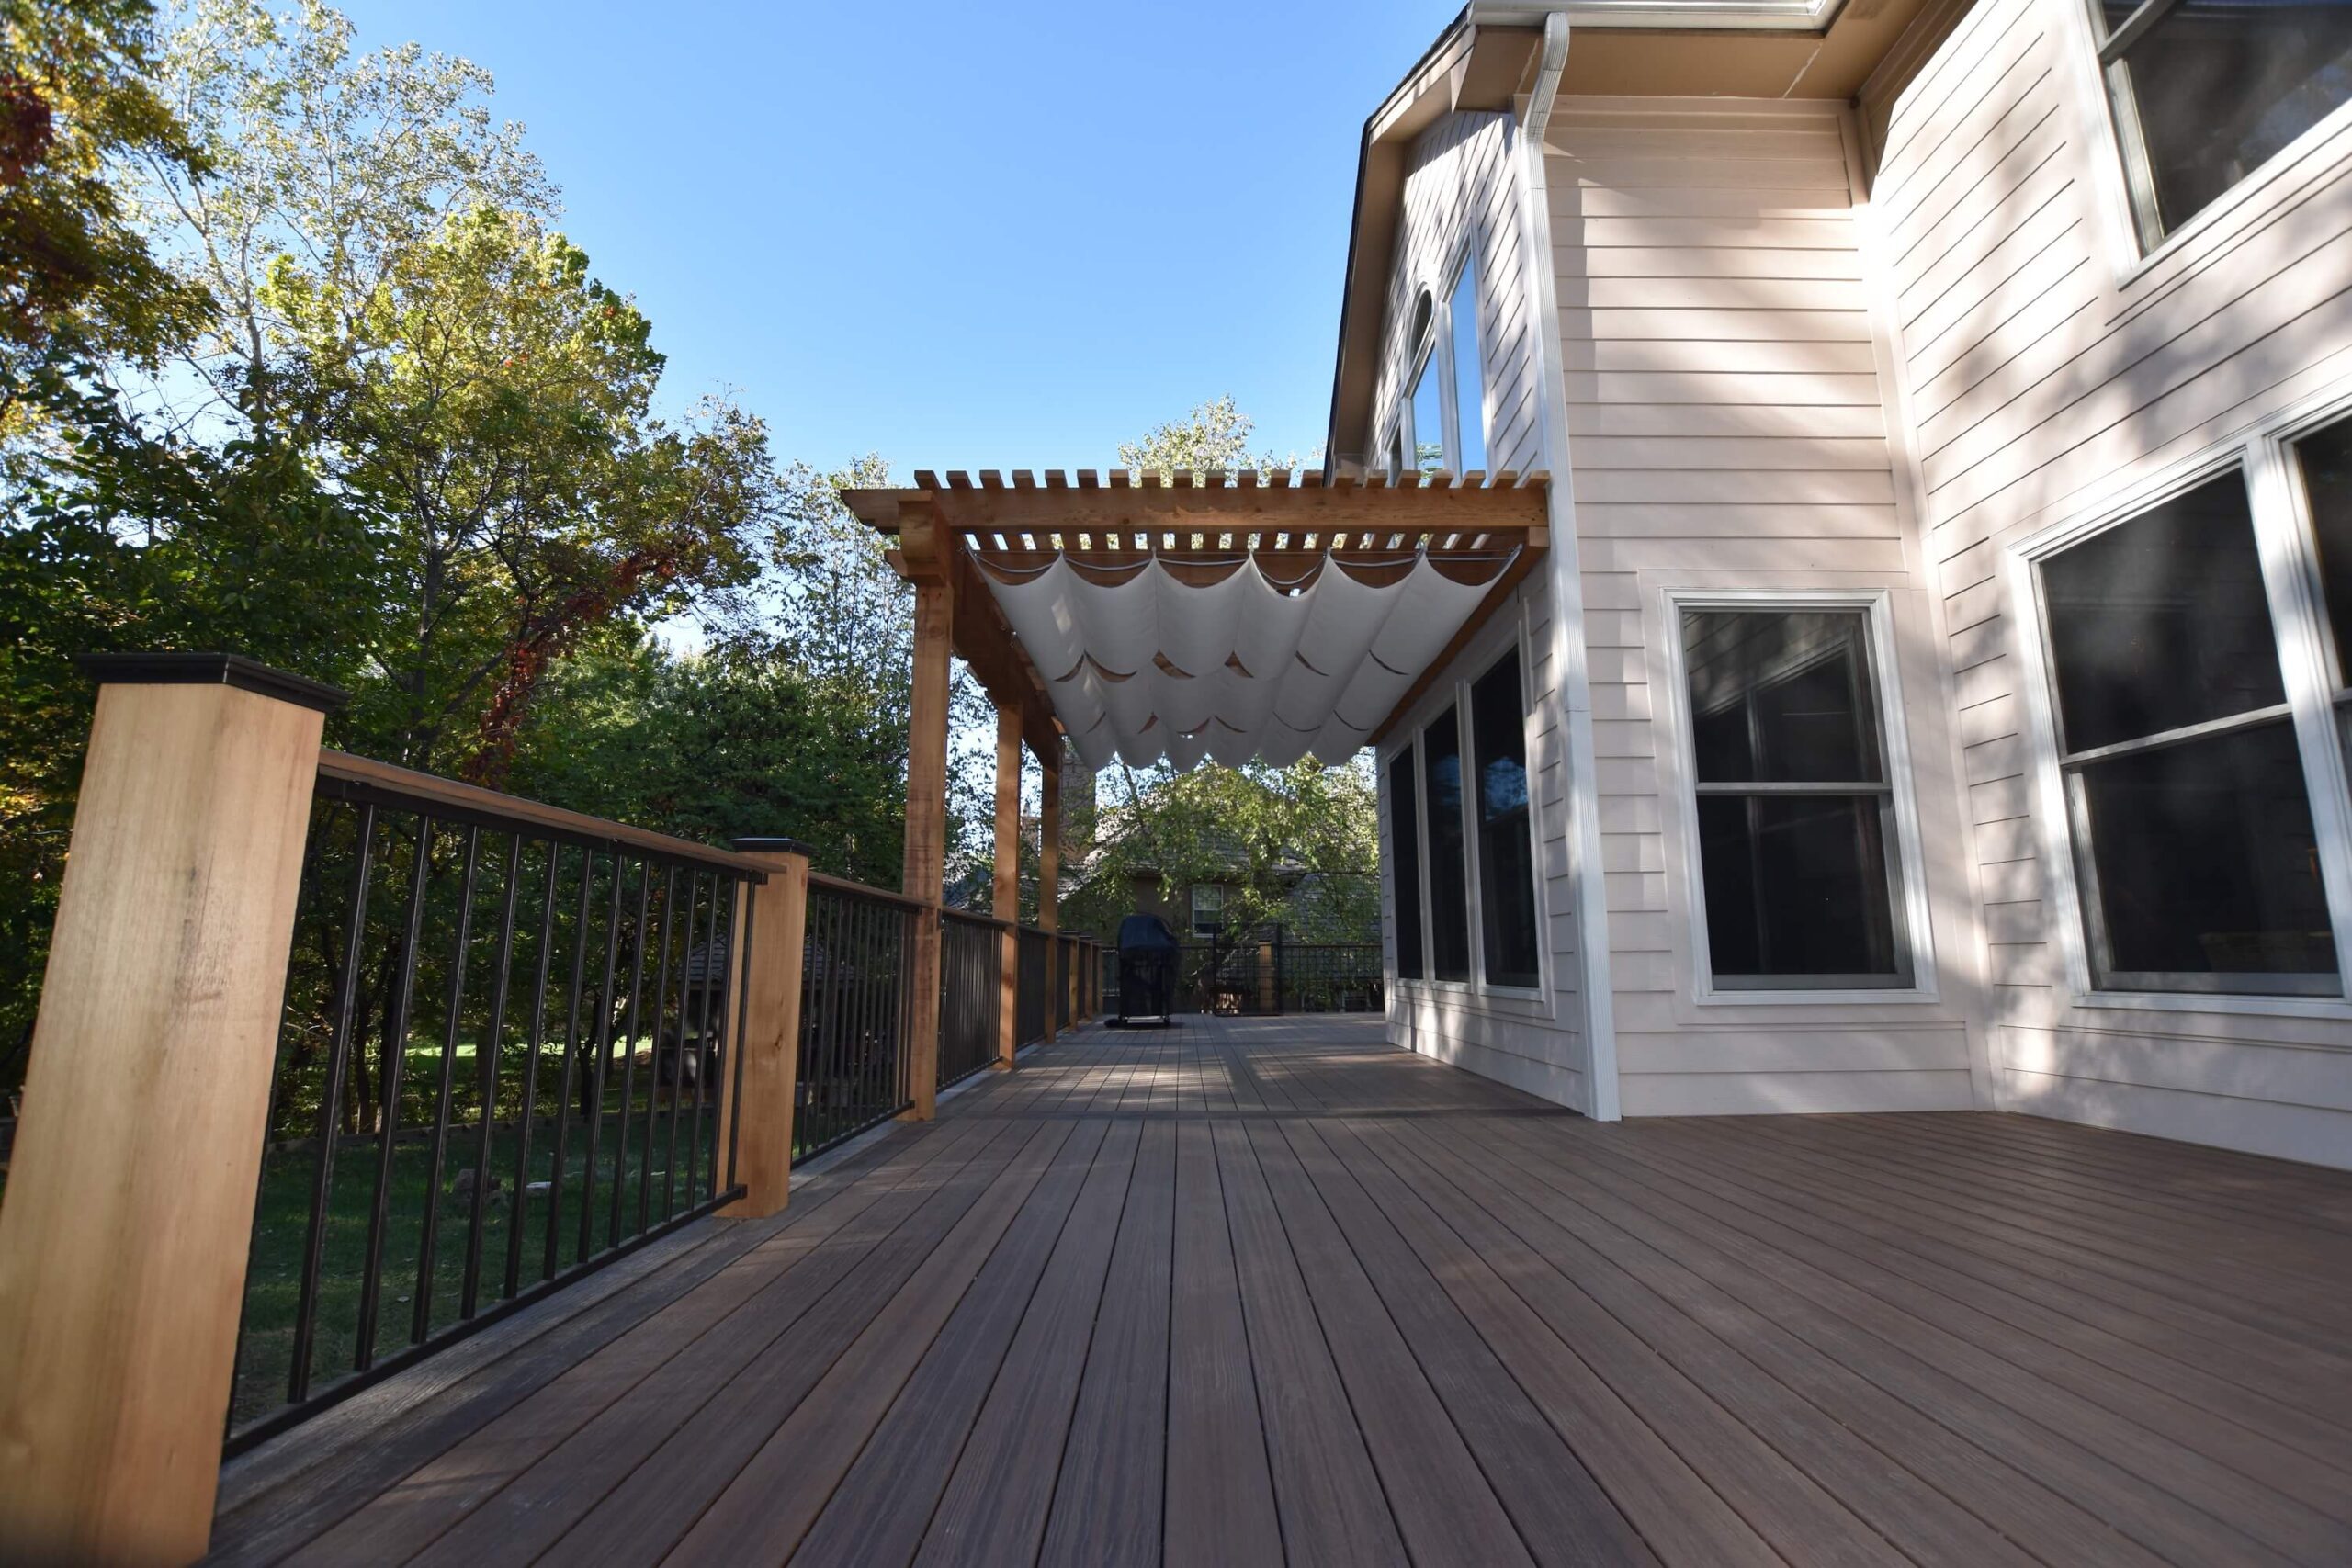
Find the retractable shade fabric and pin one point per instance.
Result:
(1209, 616)
(1228, 661)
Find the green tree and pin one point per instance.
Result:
(494, 402)
(1213, 437)
(79, 285)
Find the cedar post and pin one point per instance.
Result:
(926, 861)
(1049, 875)
(768, 1035)
(1005, 882)
(131, 1199)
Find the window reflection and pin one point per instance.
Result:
(2193, 835)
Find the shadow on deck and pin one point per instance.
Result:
(1250, 1290)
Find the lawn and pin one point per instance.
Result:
(281, 1222)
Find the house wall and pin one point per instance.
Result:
(1463, 189)
(1727, 432)
(2044, 368)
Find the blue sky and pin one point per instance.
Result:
(960, 235)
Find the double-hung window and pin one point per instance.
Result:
(1208, 908)
(1459, 803)
(2206, 91)
(1443, 421)
(1800, 867)
(2197, 858)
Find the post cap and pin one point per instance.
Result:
(210, 670)
(755, 845)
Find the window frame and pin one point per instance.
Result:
(1437, 356)
(2286, 546)
(1908, 899)
(1514, 649)
(2123, 177)
(1216, 908)
(1481, 656)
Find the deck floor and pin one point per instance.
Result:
(1252, 1292)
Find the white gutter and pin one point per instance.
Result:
(1574, 678)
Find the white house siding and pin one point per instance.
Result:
(1726, 432)
(1461, 188)
(2042, 370)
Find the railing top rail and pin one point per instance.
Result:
(343, 775)
(975, 918)
(860, 890)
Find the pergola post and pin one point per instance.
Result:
(926, 858)
(1049, 874)
(1005, 884)
(131, 1199)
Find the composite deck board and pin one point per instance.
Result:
(1269, 1290)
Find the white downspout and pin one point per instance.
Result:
(1567, 580)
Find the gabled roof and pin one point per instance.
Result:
(1485, 60)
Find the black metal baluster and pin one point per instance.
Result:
(846, 968)
(730, 1035)
(678, 1074)
(554, 1247)
(486, 1053)
(906, 923)
(629, 1048)
(395, 1056)
(338, 1066)
(702, 1046)
(852, 1015)
(537, 1041)
(604, 1038)
(429, 1237)
(654, 1087)
(824, 1075)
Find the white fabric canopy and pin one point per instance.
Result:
(1148, 666)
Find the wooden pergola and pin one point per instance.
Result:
(958, 536)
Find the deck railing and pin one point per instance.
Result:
(855, 1071)
(971, 957)
(336, 1063)
(504, 1052)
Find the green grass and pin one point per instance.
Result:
(281, 1224)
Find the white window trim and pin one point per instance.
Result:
(1472, 662)
(1465, 263)
(2289, 571)
(1918, 932)
(2131, 257)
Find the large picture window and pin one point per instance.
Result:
(1469, 373)
(1507, 922)
(1405, 863)
(1801, 880)
(1449, 912)
(2197, 859)
(2206, 91)
(2323, 468)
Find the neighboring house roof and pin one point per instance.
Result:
(1485, 59)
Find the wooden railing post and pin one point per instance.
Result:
(129, 1205)
(769, 1033)
(1004, 882)
(926, 856)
